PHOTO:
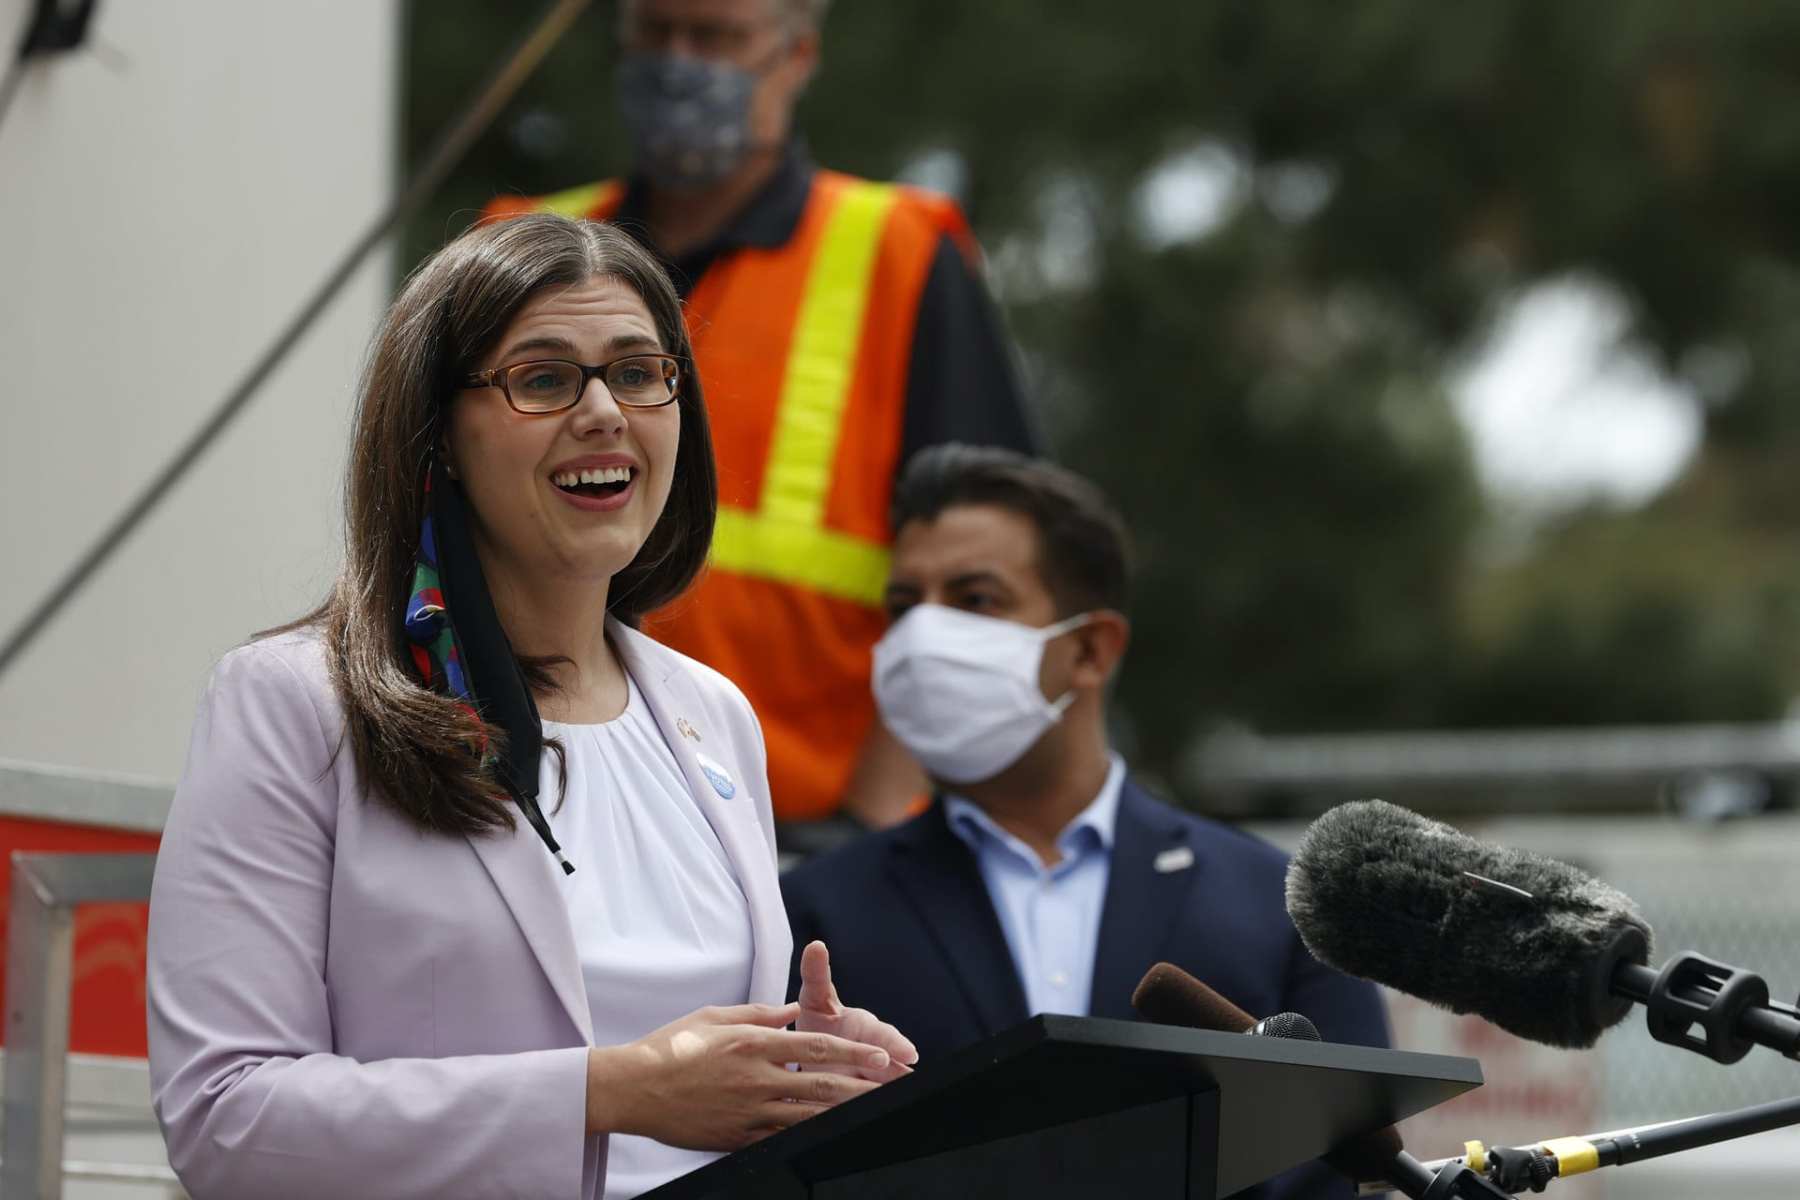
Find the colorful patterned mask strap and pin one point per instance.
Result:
(433, 639)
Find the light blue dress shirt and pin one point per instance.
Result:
(1050, 915)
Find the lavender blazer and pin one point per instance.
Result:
(343, 1005)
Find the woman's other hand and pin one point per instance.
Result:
(717, 1079)
(822, 1012)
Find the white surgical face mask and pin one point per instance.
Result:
(960, 690)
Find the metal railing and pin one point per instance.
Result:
(68, 795)
(1639, 768)
(40, 944)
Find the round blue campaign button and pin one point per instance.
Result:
(718, 777)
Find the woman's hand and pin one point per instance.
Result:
(717, 1079)
(822, 1012)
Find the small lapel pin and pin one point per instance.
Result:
(718, 776)
(685, 730)
(1179, 858)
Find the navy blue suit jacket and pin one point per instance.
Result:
(914, 937)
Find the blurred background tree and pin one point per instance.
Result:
(1247, 251)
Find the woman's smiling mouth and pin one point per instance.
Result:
(596, 489)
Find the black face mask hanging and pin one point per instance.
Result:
(490, 676)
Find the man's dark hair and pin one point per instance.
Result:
(1083, 549)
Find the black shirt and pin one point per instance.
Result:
(961, 383)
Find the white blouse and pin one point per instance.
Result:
(661, 923)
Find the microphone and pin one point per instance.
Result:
(1168, 995)
(1290, 1025)
(1533, 945)
(1529, 943)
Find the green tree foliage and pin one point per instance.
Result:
(1265, 392)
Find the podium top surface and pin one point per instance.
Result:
(1280, 1102)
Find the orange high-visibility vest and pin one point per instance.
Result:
(803, 351)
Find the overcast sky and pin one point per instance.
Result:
(1560, 407)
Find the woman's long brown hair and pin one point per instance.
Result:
(412, 746)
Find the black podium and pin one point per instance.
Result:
(1080, 1107)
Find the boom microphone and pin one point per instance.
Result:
(1529, 943)
(1168, 995)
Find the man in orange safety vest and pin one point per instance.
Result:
(839, 325)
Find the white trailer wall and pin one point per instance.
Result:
(167, 200)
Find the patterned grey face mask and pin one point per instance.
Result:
(689, 119)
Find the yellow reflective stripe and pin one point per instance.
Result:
(812, 556)
(575, 202)
(786, 540)
(822, 357)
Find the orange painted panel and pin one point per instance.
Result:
(108, 1013)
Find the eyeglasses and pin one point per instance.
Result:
(548, 385)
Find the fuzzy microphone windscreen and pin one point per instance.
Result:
(1168, 995)
(1529, 943)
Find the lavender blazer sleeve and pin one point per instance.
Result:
(341, 1004)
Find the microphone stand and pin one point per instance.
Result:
(1507, 1170)
(1700, 1004)
(1440, 1181)
(1693, 1002)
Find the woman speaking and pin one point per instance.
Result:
(469, 888)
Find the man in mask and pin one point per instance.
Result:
(1042, 878)
(840, 325)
